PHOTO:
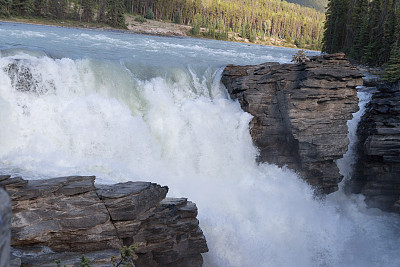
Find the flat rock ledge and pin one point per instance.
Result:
(377, 171)
(300, 113)
(64, 218)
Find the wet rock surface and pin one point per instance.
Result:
(377, 171)
(64, 218)
(25, 79)
(5, 226)
(300, 113)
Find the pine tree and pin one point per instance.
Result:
(115, 13)
(101, 14)
(23, 7)
(396, 37)
(375, 33)
(177, 18)
(339, 29)
(52, 8)
(359, 27)
(87, 10)
(40, 8)
(371, 29)
(4, 8)
(335, 26)
(149, 13)
(392, 69)
(363, 37)
(388, 37)
(196, 24)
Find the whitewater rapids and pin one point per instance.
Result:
(98, 111)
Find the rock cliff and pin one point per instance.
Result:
(377, 171)
(5, 224)
(300, 113)
(72, 216)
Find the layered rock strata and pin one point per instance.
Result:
(5, 226)
(377, 172)
(71, 216)
(300, 113)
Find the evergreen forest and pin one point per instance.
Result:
(319, 5)
(250, 19)
(368, 31)
(110, 12)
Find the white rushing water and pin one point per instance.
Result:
(138, 108)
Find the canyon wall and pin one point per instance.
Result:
(5, 225)
(377, 171)
(300, 113)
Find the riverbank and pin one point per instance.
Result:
(148, 27)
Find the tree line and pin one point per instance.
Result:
(251, 19)
(367, 31)
(102, 11)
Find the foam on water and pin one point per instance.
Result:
(346, 164)
(181, 130)
(126, 108)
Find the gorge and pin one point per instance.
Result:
(377, 170)
(130, 108)
(300, 115)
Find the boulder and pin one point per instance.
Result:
(25, 80)
(377, 171)
(300, 113)
(64, 218)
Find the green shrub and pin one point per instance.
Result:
(126, 258)
(140, 19)
(253, 36)
(177, 17)
(196, 24)
(58, 263)
(149, 14)
(127, 255)
(85, 262)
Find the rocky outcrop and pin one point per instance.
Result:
(5, 224)
(377, 172)
(300, 113)
(23, 78)
(72, 216)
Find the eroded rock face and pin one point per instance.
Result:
(378, 166)
(5, 225)
(69, 214)
(300, 113)
(25, 79)
(64, 214)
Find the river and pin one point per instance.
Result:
(128, 107)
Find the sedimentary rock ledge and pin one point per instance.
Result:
(72, 216)
(300, 113)
(378, 166)
(5, 224)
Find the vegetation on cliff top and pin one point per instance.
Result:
(252, 20)
(367, 31)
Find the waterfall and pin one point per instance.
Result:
(123, 120)
(346, 164)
